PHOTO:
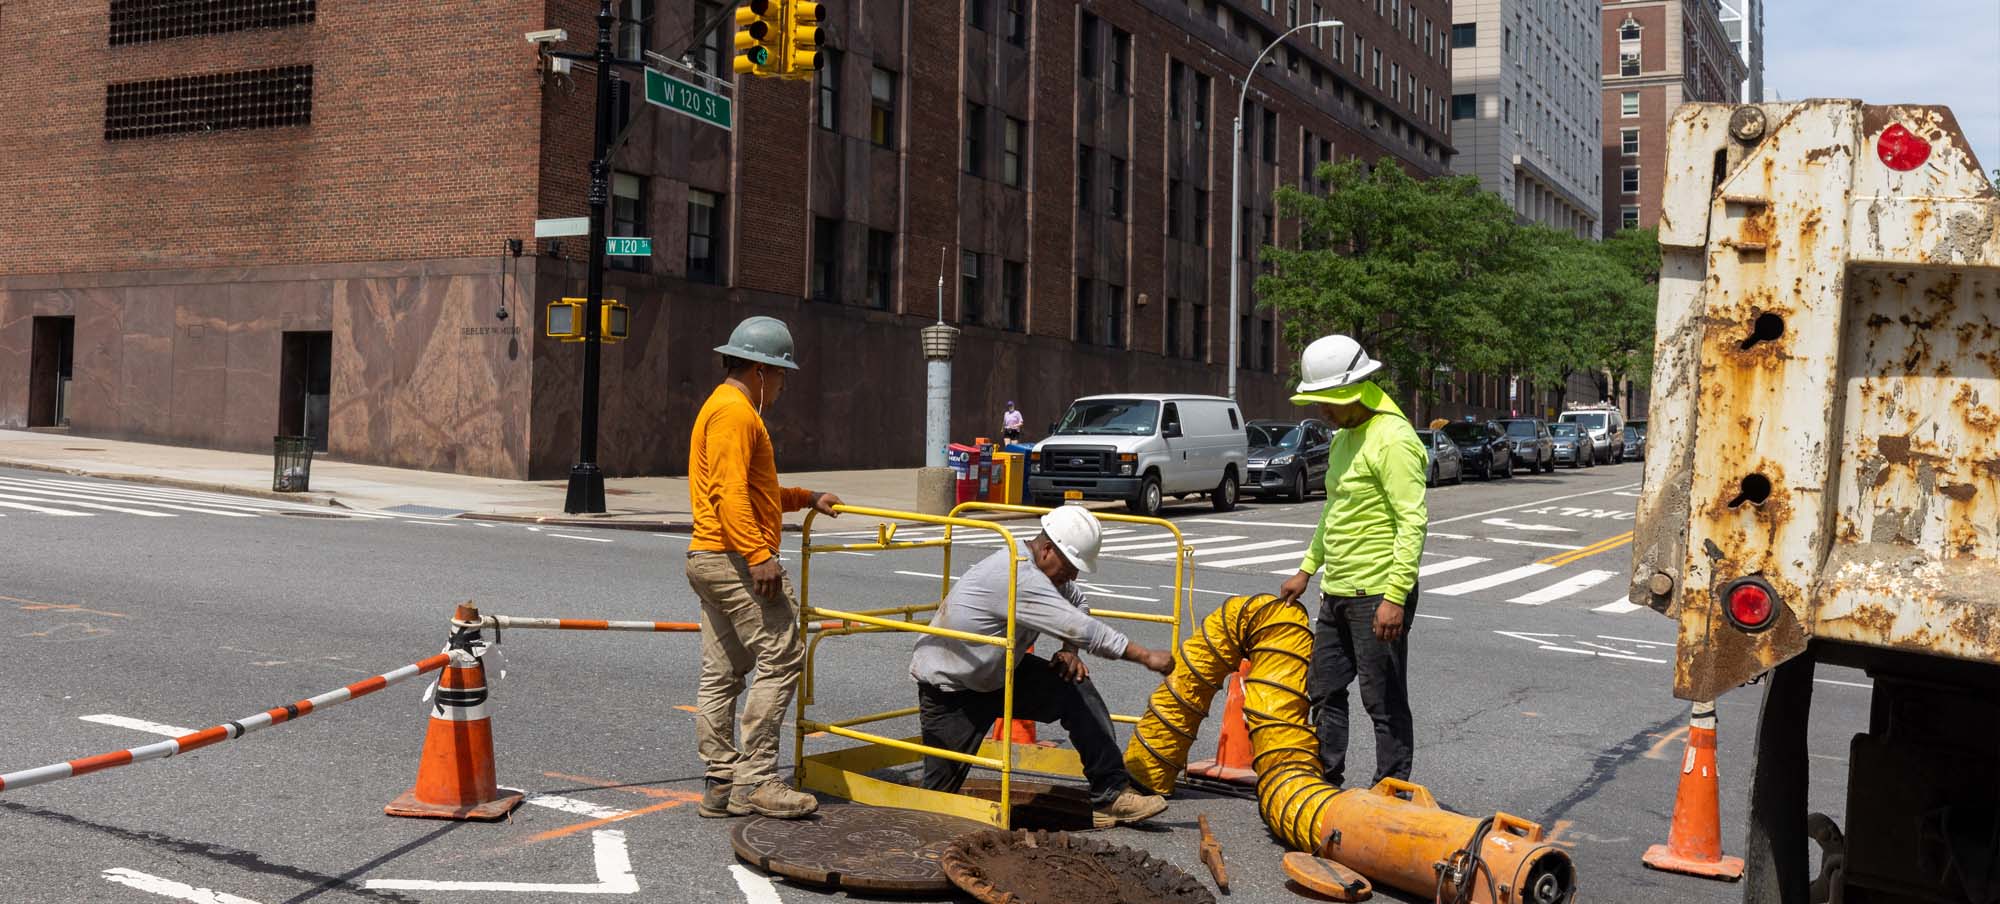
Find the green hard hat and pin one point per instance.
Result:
(764, 340)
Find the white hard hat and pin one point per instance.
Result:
(1076, 533)
(1334, 361)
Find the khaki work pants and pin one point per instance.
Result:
(741, 631)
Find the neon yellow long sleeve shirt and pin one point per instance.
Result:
(1371, 531)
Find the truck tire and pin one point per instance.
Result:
(1224, 496)
(1149, 500)
(1776, 863)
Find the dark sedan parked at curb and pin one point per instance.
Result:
(1444, 459)
(1287, 458)
(1483, 446)
(1532, 444)
(1635, 443)
(1573, 446)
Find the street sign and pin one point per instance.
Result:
(683, 97)
(626, 245)
(562, 226)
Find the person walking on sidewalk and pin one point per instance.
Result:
(960, 684)
(1010, 424)
(748, 618)
(1366, 547)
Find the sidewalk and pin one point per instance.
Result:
(638, 503)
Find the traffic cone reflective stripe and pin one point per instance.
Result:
(1233, 761)
(455, 774)
(1694, 841)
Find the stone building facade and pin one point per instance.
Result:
(1657, 55)
(1527, 105)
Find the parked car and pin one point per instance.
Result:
(1287, 457)
(1444, 458)
(1532, 444)
(1635, 443)
(1606, 427)
(1142, 448)
(1573, 445)
(1484, 447)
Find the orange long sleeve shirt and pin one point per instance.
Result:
(733, 480)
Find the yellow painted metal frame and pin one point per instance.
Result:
(843, 772)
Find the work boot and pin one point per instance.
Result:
(716, 799)
(773, 798)
(1130, 807)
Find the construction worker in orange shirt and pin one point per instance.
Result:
(748, 617)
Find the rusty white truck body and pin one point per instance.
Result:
(1825, 425)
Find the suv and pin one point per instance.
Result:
(1533, 445)
(1287, 457)
(1142, 448)
(1482, 447)
(1606, 427)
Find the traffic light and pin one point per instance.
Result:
(758, 32)
(803, 35)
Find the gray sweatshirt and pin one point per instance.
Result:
(978, 605)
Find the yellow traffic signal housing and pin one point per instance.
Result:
(566, 319)
(617, 321)
(803, 37)
(759, 37)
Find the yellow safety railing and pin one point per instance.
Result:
(844, 772)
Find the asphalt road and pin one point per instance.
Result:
(129, 611)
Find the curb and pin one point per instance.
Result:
(326, 499)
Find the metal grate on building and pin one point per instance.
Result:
(249, 99)
(137, 21)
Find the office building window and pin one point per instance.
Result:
(1014, 293)
(971, 291)
(708, 55)
(976, 14)
(975, 139)
(1198, 331)
(1117, 208)
(1464, 34)
(1201, 87)
(1628, 217)
(1377, 64)
(1270, 136)
(704, 248)
(881, 268)
(1200, 231)
(1628, 103)
(1086, 160)
(1121, 61)
(1017, 22)
(1292, 13)
(1628, 63)
(826, 259)
(1267, 345)
(1176, 73)
(1359, 57)
(1172, 347)
(628, 217)
(1628, 31)
(1395, 81)
(1013, 144)
(1086, 47)
(633, 26)
(1628, 142)
(1174, 209)
(882, 107)
(1628, 180)
(1248, 238)
(1114, 316)
(828, 78)
(1085, 312)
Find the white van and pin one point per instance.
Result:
(1606, 427)
(1142, 448)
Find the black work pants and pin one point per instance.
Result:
(959, 720)
(1344, 648)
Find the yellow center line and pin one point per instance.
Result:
(1605, 545)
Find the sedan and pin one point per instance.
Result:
(1573, 446)
(1287, 457)
(1635, 443)
(1444, 459)
(1483, 446)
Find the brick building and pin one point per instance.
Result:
(294, 215)
(1658, 54)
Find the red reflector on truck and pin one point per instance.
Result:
(1901, 149)
(1750, 605)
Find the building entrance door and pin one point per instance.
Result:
(305, 384)
(49, 371)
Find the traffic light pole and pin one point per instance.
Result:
(586, 480)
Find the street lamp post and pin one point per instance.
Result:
(1236, 193)
(586, 479)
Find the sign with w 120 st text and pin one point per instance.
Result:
(682, 97)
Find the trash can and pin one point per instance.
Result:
(291, 464)
(964, 461)
(1009, 471)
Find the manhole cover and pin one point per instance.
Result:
(1022, 867)
(854, 846)
(1038, 805)
(312, 515)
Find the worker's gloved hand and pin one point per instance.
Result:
(768, 578)
(1069, 667)
(1295, 587)
(1388, 622)
(824, 503)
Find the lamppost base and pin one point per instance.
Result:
(586, 490)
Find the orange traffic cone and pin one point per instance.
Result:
(455, 776)
(1233, 761)
(1023, 731)
(1694, 842)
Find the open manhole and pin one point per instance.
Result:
(306, 514)
(1022, 867)
(873, 849)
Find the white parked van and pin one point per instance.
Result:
(1606, 427)
(1142, 448)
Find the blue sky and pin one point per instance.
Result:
(1892, 51)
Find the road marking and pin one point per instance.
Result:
(1845, 683)
(1619, 607)
(922, 574)
(168, 888)
(1246, 547)
(614, 875)
(1546, 644)
(1202, 590)
(580, 537)
(1151, 544)
(1444, 536)
(1605, 545)
(578, 807)
(129, 496)
(1448, 565)
(1648, 643)
(1515, 525)
(1659, 749)
(1438, 617)
(1564, 588)
(756, 889)
(137, 725)
(1294, 556)
(66, 513)
(1527, 504)
(91, 505)
(1240, 522)
(1535, 543)
(1096, 585)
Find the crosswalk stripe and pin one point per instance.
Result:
(1211, 550)
(170, 494)
(1448, 565)
(46, 511)
(1564, 588)
(1619, 607)
(91, 505)
(1292, 556)
(1154, 544)
(61, 496)
(1489, 581)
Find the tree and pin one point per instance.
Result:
(1630, 323)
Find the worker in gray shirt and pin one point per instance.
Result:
(960, 685)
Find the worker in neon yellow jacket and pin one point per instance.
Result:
(1365, 550)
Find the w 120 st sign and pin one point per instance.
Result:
(683, 97)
